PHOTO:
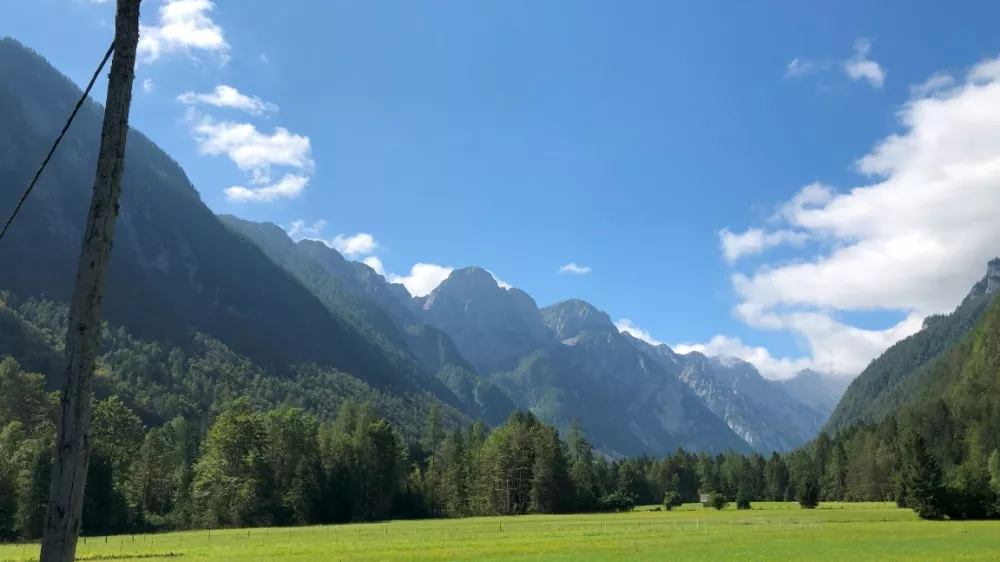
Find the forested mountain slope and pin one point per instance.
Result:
(891, 380)
(175, 268)
(939, 453)
(195, 381)
(356, 291)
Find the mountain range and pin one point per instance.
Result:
(187, 279)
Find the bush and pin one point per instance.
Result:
(742, 502)
(616, 501)
(808, 494)
(671, 500)
(718, 501)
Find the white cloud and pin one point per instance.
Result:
(913, 239)
(227, 96)
(375, 263)
(299, 230)
(860, 66)
(358, 245)
(500, 282)
(183, 26)
(147, 85)
(252, 151)
(627, 326)
(575, 269)
(800, 67)
(755, 241)
(263, 59)
(423, 278)
(769, 367)
(289, 187)
(932, 85)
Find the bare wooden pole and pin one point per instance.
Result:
(72, 454)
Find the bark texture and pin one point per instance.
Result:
(72, 454)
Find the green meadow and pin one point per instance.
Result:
(835, 532)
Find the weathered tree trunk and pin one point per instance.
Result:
(72, 454)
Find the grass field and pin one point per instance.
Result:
(835, 532)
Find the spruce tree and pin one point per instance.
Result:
(921, 478)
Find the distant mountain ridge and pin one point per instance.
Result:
(356, 291)
(760, 411)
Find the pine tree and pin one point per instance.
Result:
(921, 478)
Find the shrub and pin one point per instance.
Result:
(671, 500)
(616, 501)
(742, 502)
(717, 500)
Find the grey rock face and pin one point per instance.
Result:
(819, 391)
(492, 327)
(760, 411)
(569, 318)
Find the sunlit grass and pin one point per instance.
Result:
(836, 532)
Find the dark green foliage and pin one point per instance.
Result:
(921, 478)
(717, 501)
(616, 501)
(671, 500)
(905, 369)
(742, 501)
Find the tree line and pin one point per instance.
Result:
(283, 466)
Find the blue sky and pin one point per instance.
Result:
(712, 169)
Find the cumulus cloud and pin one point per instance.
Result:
(228, 97)
(256, 153)
(182, 26)
(859, 66)
(360, 244)
(375, 263)
(913, 239)
(574, 269)
(754, 241)
(288, 187)
(627, 326)
(423, 278)
(147, 85)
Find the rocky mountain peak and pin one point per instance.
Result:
(568, 318)
(990, 283)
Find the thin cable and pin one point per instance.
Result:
(52, 150)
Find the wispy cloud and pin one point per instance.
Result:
(754, 241)
(574, 269)
(800, 67)
(147, 85)
(627, 326)
(860, 66)
(228, 97)
(288, 187)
